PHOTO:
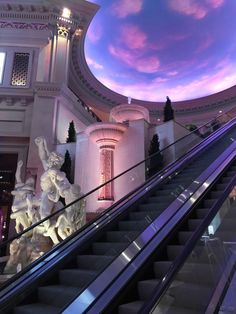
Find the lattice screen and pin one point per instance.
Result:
(20, 69)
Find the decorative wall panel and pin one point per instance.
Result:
(20, 69)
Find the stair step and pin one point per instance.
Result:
(57, 295)
(76, 277)
(121, 236)
(130, 308)
(148, 215)
(93, 262)
(161, 268)
(146, 288)
(36, 308)
(202, 212)
(174, 250)
(132, 225)
(194, 223)
(184, 236)
(108, 248)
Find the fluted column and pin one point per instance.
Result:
(106, 136)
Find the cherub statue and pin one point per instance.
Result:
(20, 207)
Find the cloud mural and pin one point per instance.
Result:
(150, 49)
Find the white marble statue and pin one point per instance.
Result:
(74, 216)
(20, 207)
(28, 209)
(52, 162)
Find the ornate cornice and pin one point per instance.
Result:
(22, 25)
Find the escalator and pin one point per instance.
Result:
(73, 268)
(187, 273)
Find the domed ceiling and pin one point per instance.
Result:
(148, 49)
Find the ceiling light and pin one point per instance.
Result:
(66, 13)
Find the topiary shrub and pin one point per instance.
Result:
(71, 133)
(156, 161)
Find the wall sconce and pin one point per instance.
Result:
(78, 32)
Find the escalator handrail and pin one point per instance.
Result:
(180, 260)
(3, 244)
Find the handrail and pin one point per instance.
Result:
(180, 260)
(3, 244)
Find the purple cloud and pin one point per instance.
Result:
(133, 37)
(95, 32)
(205, 44)
(194, 8)
(135, 61)
(93, 63)
(124, 8)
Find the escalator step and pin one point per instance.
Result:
(152, 206)
(198, 273)
(209, 202)
(36, 308)
(58, 296)
(108, 248)
(93, 262)
(220, 186)
(174, 250)
(163, 192)
(130, 308)
(161, 268)
(184, 236)
(227, 236)
(146, 288)
(167, 309)
(230, 174)
(202, 212)
(138, 215)
(216, 194)
(76, 277)
(121, 236)
(192, 296)
(228, 224)
(132, 225)
(194, 223)
(226, 179)
(161, 199)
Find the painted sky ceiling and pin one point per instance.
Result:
(148, 49)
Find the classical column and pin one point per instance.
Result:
(106, 136)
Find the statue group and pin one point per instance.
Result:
(29, 208)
